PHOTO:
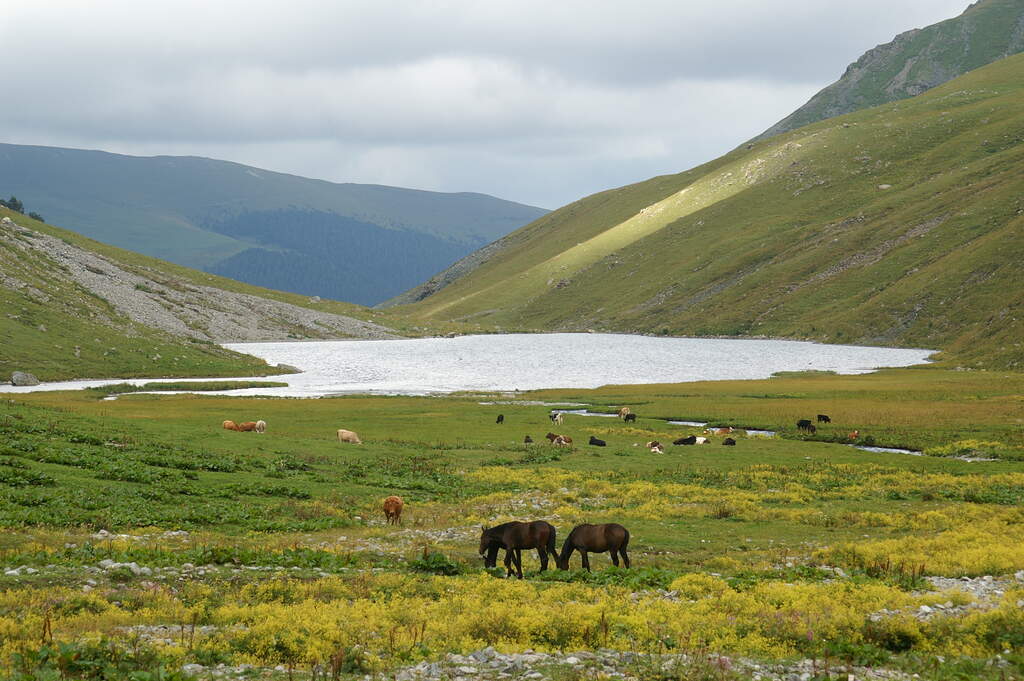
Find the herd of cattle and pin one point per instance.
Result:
(539, 534)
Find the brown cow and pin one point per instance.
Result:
(393, 510)
(623, 412)
(854, 435)
(230, 425)
(348, 436)
(247, 427)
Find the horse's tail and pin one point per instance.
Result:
(551, 541)
(625, 538)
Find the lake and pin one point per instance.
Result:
(508, 362)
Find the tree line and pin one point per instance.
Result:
(18, 207)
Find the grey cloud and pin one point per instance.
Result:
(534, 100)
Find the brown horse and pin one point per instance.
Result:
(514, 536)
(610, 537)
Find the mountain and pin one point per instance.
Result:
(917, 61)
(71, 307)
(896, 225)
(353, 242)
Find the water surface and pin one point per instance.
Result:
(512, 362)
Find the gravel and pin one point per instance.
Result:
(181, 307)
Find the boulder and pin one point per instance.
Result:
(23, 378)
(289, 368)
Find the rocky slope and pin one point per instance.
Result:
(917, 61)
(72, 308)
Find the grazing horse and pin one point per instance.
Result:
(393, 510)
(729, 442)
(513, 537)
(348, 436)
(630, 418)
(247, 427)
(691, 440)
(261, 427)
(854, 435)
(501, 419)
(229, 425)
(610, 537)
(556, 417)
(597, 443)
(823, 418)
(624, 412)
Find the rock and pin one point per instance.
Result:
(23, 378)
(289, 368)
(885, 186)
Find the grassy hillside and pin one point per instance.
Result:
(202, 212)
(918, 60)
(896, 225)
(53, 325)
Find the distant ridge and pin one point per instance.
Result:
(355, 242)
(917, 61)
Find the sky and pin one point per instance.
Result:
(536, 101)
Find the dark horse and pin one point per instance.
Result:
(514, 536)
(610, 537)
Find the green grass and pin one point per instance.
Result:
(792, 237)
(768, 514)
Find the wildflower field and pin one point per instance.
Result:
(141, 540)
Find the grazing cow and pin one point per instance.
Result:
(691, 440)
(724, 431)
(556, 417)
(804, 424)
(823, 418)
(854, 435)
(624, 412)
(656, 449)
(261, 427)
(653, 445)
(729, 442)
(527, 440)
(393, 510)
(348, 436)
(229, 425)
(700, 441)
(501, 418)
(597, 443)
(630, 418)
(247, 427)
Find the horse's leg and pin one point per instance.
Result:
(615, 558)
(519, 563)
(586, 560)
(543, 555)
(625, 558)
(509, 556)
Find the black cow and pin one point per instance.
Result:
(729, 442)
(501, 418)
(597, 443)
(823, 418)
(630, 418)
(692, 440)
(805, 424)
(527, 440)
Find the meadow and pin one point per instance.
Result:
(141, 537)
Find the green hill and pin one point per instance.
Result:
(360, 243)
(917, 61)
(895, 225)
(71, 307)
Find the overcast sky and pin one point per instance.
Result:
(539, 101)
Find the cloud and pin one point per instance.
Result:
(536, 101)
